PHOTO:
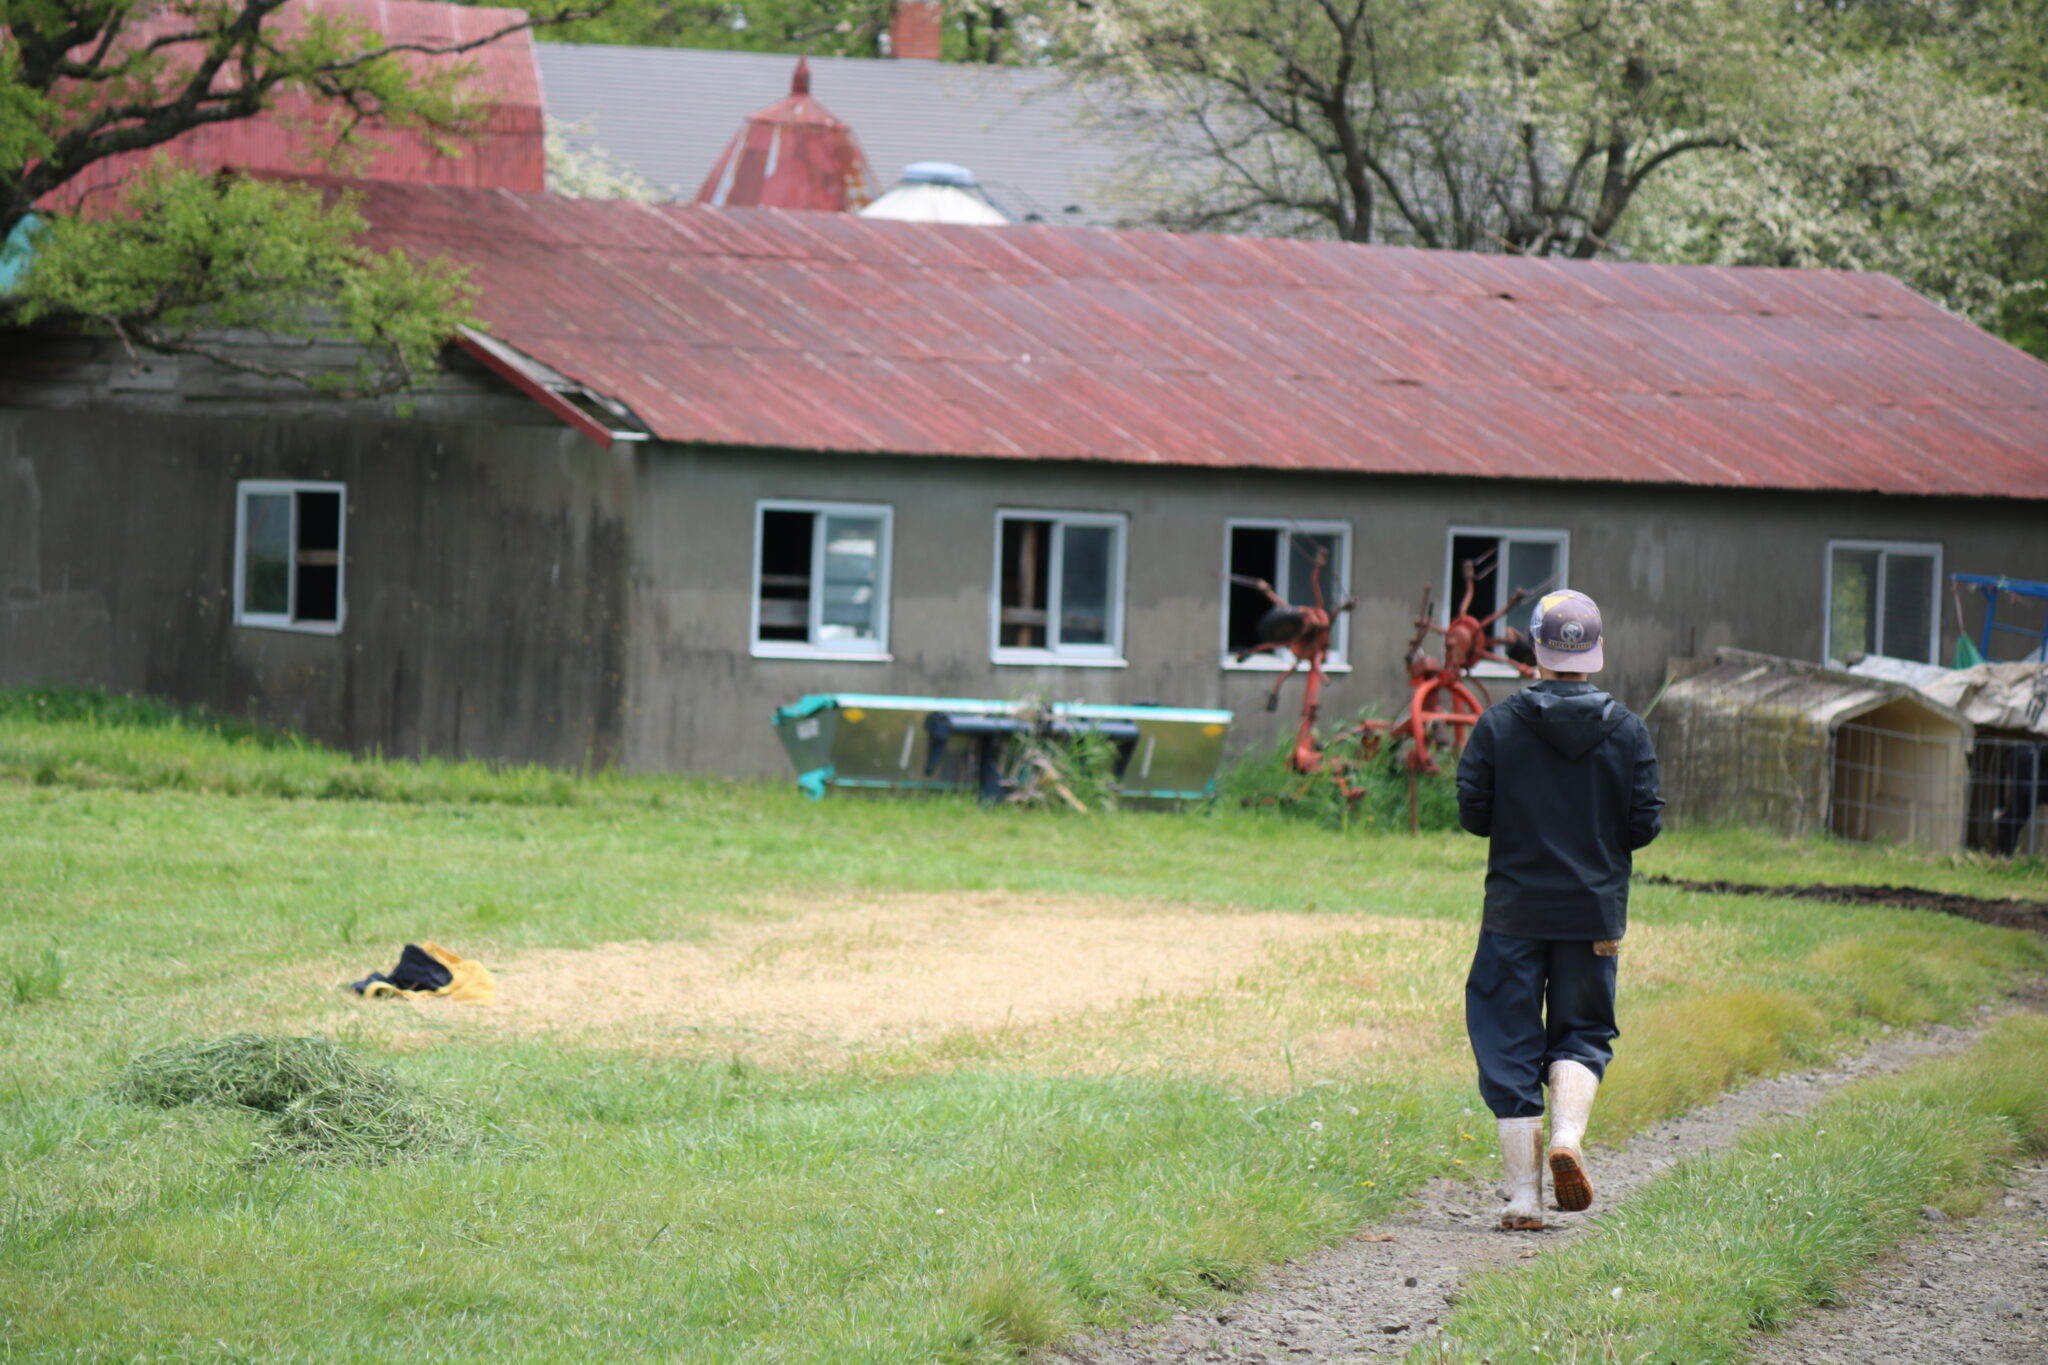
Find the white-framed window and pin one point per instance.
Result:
(290, 553)
(1882, 598)
(821, 580)
(1504, 558)
(1282, 553)
(1058, 591)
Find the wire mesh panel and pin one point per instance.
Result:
(1725, 763)
(2008, 798)
(1895, 785)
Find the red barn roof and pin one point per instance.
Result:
(831, 332)
(507, 153)
(791, 155)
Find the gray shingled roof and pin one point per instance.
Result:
(667, 112)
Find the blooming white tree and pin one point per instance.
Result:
(1857, 134)
(589, 171)
(1897, 169)
(1515, 125)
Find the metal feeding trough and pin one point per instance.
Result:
(851, 739)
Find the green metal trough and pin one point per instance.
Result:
(859, 740)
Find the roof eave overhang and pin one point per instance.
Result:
(539, 385)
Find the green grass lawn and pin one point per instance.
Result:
(708, 1198)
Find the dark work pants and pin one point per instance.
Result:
(1530, 1002)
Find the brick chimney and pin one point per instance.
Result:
(914, 30)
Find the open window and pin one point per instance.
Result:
(1881, 599)
(1504, 558)
(821, 580)
(1283, 553)
(1059, 587)
(289, 560)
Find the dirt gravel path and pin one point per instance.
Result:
(1976, 1291)
(1372, 1299)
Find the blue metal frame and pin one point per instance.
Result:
(1992, 588)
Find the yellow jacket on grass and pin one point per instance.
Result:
(469, 981)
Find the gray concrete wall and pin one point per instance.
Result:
(516, 593)
(485, 580)
(1674, 569)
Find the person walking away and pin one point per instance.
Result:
(1562, 780)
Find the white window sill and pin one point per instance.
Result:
(295, 627)
(1269, 664)
(1045, 658)
(835, 656)
(1484, 669)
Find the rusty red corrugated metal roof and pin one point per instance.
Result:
(506, 152)
(791, 155)
(830, 332)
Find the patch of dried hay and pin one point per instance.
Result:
(906, 969)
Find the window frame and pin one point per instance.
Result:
(1919, 549)
(1339, 660)
(244, 489)
(1109, 655)
(1562, 539)
(810, 649)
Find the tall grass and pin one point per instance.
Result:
(38, 978)
(1263, 781)
(1731, 1244)
(85, 737)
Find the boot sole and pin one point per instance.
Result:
(1568, 1180)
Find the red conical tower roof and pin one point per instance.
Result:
(791, 155)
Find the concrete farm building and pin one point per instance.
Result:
(695, 463)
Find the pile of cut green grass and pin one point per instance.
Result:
(328, 1104)
(1731, 1244)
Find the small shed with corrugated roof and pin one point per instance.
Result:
(1753, 739)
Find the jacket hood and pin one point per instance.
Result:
(1571, 717)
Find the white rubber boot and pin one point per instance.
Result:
(1521, 1152)
(1572, 1087)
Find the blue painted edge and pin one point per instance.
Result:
(805, 706)
(813, 782)
(18, 250)
(2021, 586)
(820, 701)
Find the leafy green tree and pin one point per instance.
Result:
(85, 80)
(192, 256)
(1899, 169)
(832, 28)
(975, 31)
(1922, 151)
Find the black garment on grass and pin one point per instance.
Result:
(1561, 777)
(416, 971)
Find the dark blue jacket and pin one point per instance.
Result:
(1561, 777)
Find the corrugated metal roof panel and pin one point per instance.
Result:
(830, 332)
